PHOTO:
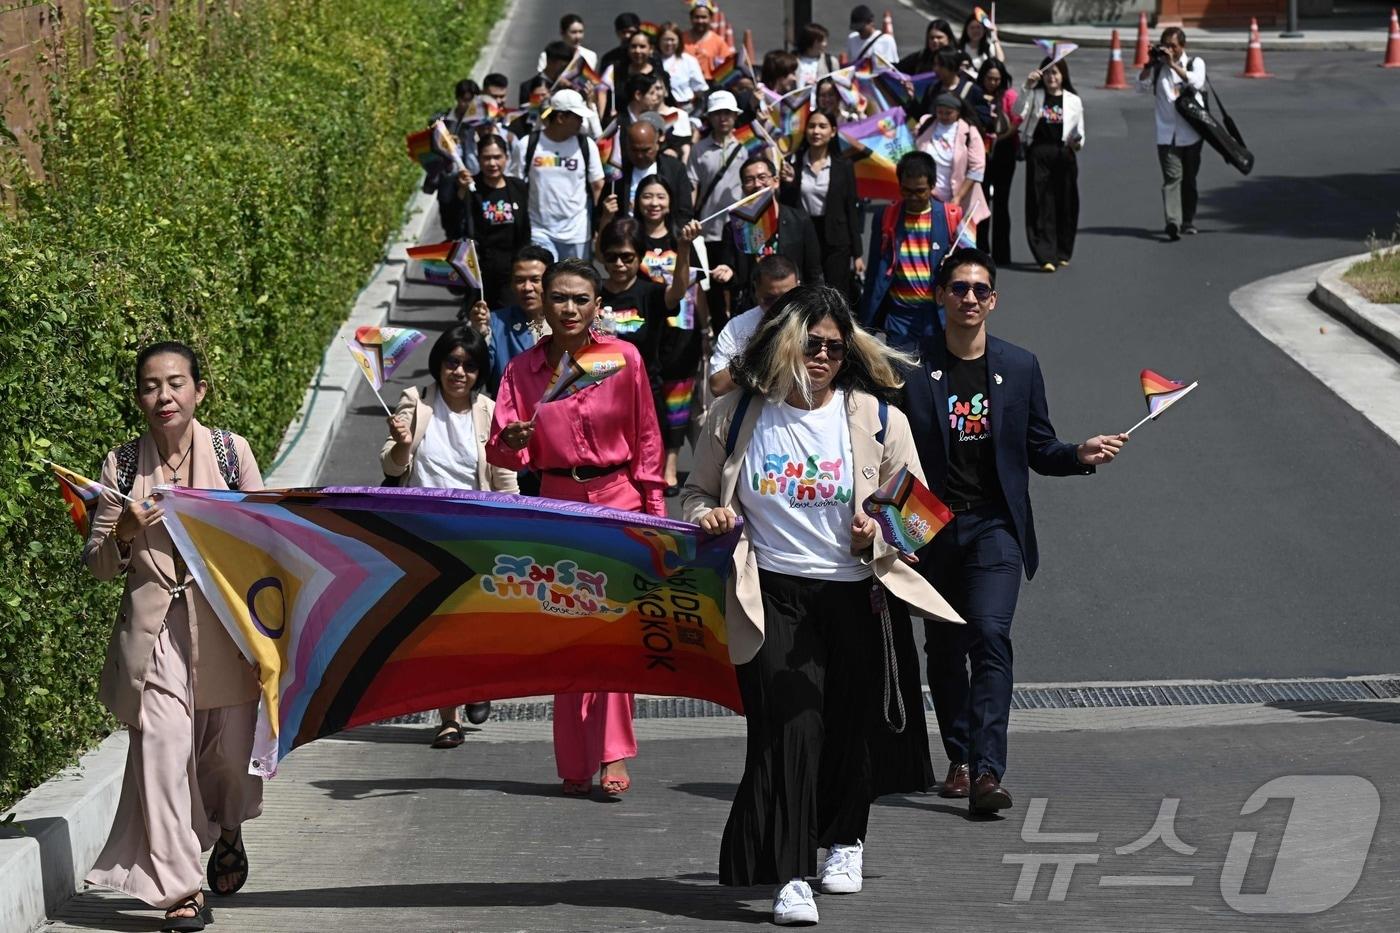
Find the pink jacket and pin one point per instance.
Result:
(969, 160)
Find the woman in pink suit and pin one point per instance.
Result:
(172, 674)
(601, 445)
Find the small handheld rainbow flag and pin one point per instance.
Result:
(981, 16)
(756, 223)
(576, 372)
(81, 494)
(392, 345)
(420, 149)
(465, 262)
(907, 511)
(753, 137)
(446, 146)
(1056, 50)
(436, 259)
(1161, 393)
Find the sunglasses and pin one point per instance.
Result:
(835, 349)
(980, 290)
(468, 366)
(620, 257)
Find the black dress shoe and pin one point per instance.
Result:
(1173, 233)
(956, 783)
(477, 713)
(988, 796)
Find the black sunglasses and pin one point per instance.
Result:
(981, 290)
(835, 349)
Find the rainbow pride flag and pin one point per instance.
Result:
(386, 348)
(436, 263)
(753, 137)
(610, 151)
(907, 511)
(466, 263)
(790, 122)
(1162, 392)
(359, 604)
(81, 494)
(420, 149)
(651, 29)
(755, 224)
(1055, 50)
(446, 146)
(737, 65)
(576, 372)
(875, 146)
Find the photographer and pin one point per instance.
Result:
(1168, 74)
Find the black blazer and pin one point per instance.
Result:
(670, 170)
(1022, 437)
(797, 240)
(841, 222)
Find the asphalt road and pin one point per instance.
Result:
(1252, 531)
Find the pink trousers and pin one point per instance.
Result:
(592, 728)
(186, 778)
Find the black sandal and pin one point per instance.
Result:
(203, 915)
(219, 869)
(449, 735)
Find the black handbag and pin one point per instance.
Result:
(1222, 135)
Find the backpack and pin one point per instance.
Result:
(583, 152)
(225, 455)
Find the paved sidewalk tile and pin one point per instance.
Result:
(376, 831)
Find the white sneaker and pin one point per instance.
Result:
(842, 871)
(794, 904)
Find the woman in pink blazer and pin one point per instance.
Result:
(958, 152)
(172, 674)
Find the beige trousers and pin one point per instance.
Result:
(186, 777)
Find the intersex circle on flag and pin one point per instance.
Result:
(268, 583)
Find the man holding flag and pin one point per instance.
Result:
(760, 228)
(977, 410)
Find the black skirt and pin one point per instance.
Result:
(819, 749)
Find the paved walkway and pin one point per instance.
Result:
(375, 831)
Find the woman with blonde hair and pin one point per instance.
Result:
(172, 674)
(816, 604)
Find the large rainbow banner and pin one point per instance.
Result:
(358, 604)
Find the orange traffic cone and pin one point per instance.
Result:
(1115, 81)
(1392, 47)
(719, 21)
(1140, 53)
(888, 27)
(1254, 56)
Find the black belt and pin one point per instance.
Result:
(956, 507)
(583, 474)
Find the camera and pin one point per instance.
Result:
(1158, 54)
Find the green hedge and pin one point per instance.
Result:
(228, 181)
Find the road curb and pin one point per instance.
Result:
(65, 820)
(1381, 323)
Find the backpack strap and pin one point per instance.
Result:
(884, 422)
(736, 424)
(226, 455)
(128, 455)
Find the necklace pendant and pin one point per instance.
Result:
(175, 479)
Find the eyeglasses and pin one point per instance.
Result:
(760, 178)
(620, 257)
(466, 365)
(835, 349)
(980, 290)
(581, 301)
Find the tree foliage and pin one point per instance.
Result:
(221, 173)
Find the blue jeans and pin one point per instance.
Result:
(976, 564)
(558, 248)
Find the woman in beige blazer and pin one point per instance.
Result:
(437, 439)
(815, 609)
(172, 673)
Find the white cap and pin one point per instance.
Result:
(721, 100)
(569, 101)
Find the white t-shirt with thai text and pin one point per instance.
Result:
(796, 491)
(558, 185)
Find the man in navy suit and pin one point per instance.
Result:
(976, 406)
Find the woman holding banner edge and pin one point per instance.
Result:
(815, 605)
(437, 440)
(172, 673)
(601, 445)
